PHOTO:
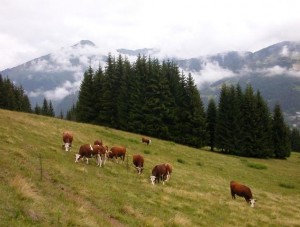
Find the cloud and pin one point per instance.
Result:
(59, 92)
(210, 73)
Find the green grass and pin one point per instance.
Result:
(42, 186)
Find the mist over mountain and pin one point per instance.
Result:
(274, 70)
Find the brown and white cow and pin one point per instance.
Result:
(67, 139)
(169, 170)
(98, 142)
(117, 152)
(102, 151)
(138, 162)
(159, 172)
(243, 191)
(89, 151)
(146, 140)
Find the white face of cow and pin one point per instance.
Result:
(77, 156)
(252, 202)
(152, 178)
(67, 146)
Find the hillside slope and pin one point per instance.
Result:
(42, 186)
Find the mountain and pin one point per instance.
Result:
(274, 70)
(56, 75)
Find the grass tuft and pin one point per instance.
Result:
(181, 161)
(287, 185)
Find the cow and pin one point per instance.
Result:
(116, 152)
(98, 142)
(102, 151)
(89, 151)
(67, 139)
(159, 172)
(169, 170)
(138, 162)
(146, 140)
(243, 191)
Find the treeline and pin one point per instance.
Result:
(13, 97)
(156, 99)
(242, 125)
(144, 97)
(46, 109)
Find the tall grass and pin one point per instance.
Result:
(78, 194)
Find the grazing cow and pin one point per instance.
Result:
(98, 142)
(67, 139)
(116, 152)
(159, 172)
(138, 162)
(146, 140)
(243, 191)
(89, 151)
(169, 170)
(102, 151)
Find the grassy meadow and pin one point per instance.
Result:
(41, 185)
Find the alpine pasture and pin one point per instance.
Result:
(41, 185)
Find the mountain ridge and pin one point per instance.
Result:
(57, 75)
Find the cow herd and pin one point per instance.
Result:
(161, 172)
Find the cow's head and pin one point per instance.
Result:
(252, 202)
(149, 141)
(139, 169)
(77, 157)
(67, 146)
(152, 178)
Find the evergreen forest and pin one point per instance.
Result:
(157, 100)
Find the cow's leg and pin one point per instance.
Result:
(87, 160)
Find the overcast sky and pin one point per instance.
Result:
(182, 28)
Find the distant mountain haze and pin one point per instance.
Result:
(274, 70)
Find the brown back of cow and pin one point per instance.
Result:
(138, 161)
(160, 172)
(243, 191)
(116, 152)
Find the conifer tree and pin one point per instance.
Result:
(262, 143)
(223, 122)
(249, 122)
(109, 111)
(45, 107)
(211, 116)
(85, 105)
(281, 143)
(51, 110)
(295, 140)
(135, 98)
(98, 83)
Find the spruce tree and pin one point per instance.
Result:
(85, 105)
(281, 143)
(135, 98)
(262, 143)
(223, 122)
(110, 92)
(98, 83)
(211, 116)
(295, 140)
(45, 107)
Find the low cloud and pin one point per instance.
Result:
(210, 73)
(59, 92)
